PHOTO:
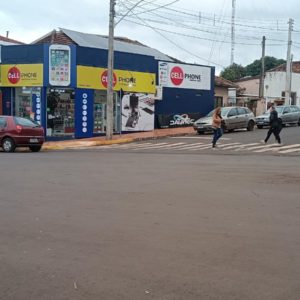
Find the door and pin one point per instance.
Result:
(232, 119)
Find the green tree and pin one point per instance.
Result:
(233, 72)
(271, 62)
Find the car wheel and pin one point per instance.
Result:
(250, 126)
(260, 126)
(8, 145)
(35, 148)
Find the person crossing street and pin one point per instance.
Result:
(275, 126)
(217, 126)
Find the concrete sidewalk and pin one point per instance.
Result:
(117, 139)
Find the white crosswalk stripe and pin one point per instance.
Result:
(203, 145)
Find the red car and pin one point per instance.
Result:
(20, 132)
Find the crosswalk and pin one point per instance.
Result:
(204, 145)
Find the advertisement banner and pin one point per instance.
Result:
(184, 76)
(84, 119)
(177, 120)
(21, 75)
(37, 106)
(137, 112)
(128, 81)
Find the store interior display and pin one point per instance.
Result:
(60, 113)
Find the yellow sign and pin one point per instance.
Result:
(21, 75)
(128, 81)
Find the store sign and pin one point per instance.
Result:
(184, 76)
(96, 78)
(84, 113)
(21, 75)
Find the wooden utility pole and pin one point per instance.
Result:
(110, 67)
(288, 65)
(262, 71)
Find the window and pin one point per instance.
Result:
(286, 110)
(25, 122)
(295, 109)
(232, 112)
(242, 111)
(2, 122)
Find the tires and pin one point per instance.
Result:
(35, 148)
(8, 145)
(260, 126)
(250, 126)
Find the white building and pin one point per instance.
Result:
(275, 84)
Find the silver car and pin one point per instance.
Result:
(288, 114)
(234, 117)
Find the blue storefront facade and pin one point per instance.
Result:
(63, 87)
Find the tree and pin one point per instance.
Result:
(233, 72)
(271, 62)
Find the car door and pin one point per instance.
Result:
(295, 114)
(232, 119)
(286, 115)
(242, 117)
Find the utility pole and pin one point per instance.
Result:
(288, 65)
(110, 67)
(262, 71)
(232, 32)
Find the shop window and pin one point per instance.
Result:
(60, 112)
(23, 103)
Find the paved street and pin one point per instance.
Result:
(106, 224)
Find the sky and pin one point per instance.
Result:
(193, 31)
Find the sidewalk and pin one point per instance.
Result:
(117, 139)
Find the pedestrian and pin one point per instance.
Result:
(217, 126)
(275, 126)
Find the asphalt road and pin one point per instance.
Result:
(106, 225)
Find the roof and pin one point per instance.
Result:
(7, 41)
(121, 44)
(219, 81)
(282, 68)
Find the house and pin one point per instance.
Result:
(222, 91)
(274, 88)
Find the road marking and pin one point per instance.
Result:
(181, 146)
(155, 146)
(198, 137)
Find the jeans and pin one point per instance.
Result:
(218, 132)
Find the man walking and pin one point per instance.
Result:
(275, 126)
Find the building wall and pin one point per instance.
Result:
(251, 86)
(222, 92)
(275, 85)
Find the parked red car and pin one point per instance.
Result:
(20, 132)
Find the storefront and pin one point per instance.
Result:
(64, 88)
(69, 99)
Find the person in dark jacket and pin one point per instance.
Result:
(275, 126)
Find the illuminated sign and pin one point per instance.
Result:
(184, 76)
(128, 81)
(21, 75)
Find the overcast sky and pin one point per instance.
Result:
(194, 31)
